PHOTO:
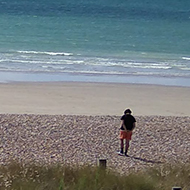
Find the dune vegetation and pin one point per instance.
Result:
(57, 177)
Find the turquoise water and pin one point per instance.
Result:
(117, 41)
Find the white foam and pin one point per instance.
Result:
(46, 53)
(186, 58)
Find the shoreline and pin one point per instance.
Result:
(93, 98)
(11, 77)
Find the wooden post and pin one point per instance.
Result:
(102, 163)
(176, 188)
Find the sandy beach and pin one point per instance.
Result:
(72, 98)
(78, 123)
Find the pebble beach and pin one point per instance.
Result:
(83, 140)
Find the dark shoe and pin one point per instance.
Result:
(126, 154)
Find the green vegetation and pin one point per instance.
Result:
(31, 177)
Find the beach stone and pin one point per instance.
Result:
(82, 140)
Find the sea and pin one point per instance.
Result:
(110, 41)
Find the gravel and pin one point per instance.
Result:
(83, 140)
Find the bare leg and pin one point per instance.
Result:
(126, 146)
(122, 145)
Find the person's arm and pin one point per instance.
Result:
(134, 125)
(122, 124)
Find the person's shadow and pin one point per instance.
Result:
(145, 160)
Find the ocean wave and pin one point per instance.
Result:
(124, 63)
(185, 69)
(125, 73)
(89, 63)
(186, 58)
(145, 65)
(46, 53)
(37, 61)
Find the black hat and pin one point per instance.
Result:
(127, 111)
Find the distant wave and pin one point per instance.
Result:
(46, 53)
(186, 58)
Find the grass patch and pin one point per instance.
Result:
(56, 177)
(167, 176)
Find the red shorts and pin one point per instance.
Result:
(125, 135)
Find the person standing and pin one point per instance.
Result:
(128, 123)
